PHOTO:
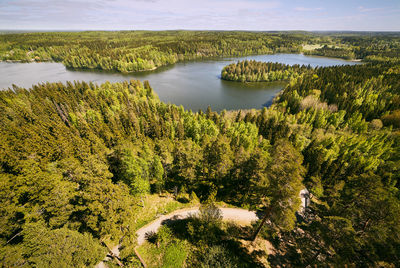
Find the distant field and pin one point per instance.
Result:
(312, 47)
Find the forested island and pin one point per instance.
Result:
(256, 71)
(84, 166)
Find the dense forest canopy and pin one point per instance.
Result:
(256, 71)
(76, 158)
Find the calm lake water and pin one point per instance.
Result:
(194, 84)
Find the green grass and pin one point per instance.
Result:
(171, 256)
(151, 254)
(175, 255)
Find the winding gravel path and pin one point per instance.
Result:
(238, 215)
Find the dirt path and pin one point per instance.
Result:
(102, 264)
(238, 215)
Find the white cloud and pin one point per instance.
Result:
(308, 8)
(191, 14)
(364, 9)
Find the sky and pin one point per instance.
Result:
(254, 15)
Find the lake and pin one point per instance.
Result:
(193, 84)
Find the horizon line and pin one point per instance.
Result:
(192, 30)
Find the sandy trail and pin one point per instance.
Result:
(241, 216)
(238, 215)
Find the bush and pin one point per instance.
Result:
(162, 238)
(206, 226)
(210, 213)
(376, 124)
(151, 237)
(164, 235)
(392, 119)
(193, 198)
(217, 257)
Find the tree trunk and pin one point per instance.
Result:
(264, 219)
(13, 237)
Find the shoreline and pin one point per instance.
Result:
(338, 58)
(227, 57)
(28, 61)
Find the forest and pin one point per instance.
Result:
(79, 160)
(132, 51)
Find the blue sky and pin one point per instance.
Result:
(260, 15)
